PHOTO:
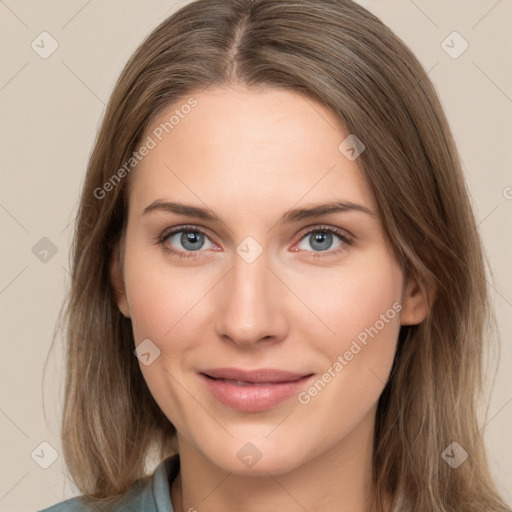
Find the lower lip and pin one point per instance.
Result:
(253, 397)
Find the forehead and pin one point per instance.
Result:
(250, 150)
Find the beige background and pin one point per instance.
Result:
(51, 109)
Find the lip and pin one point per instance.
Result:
(262, 389)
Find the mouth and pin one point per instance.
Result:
(259, 376)
(253, 390)
(244, 383)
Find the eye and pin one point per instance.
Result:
(185, 239)
(321, 239)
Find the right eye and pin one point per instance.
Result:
(190, 238)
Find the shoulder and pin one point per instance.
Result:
(71, 505)
(130, 503)
(152, 496)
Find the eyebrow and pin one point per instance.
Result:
(290, 216)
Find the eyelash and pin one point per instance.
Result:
(194, 229)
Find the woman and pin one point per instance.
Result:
(278, 285)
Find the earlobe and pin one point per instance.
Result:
(117, 282)
(414, 304)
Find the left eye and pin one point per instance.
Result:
(321, 239)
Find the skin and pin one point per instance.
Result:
(250, 156)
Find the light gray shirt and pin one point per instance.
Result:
(152, 496)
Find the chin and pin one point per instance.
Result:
(258, 457)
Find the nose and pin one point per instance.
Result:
(250, 308)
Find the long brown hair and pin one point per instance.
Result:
(339, 54)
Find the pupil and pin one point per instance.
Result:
(191, 240)
(323, 239)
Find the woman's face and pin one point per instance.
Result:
(232, 280)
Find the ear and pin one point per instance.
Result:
(117, 281)
(414, 303)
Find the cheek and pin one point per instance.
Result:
(371, 310)
(358, 360)
(161, 301)
(355, 300)
(366, 319)
(161, 297)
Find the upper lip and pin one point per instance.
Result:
(258, 375)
